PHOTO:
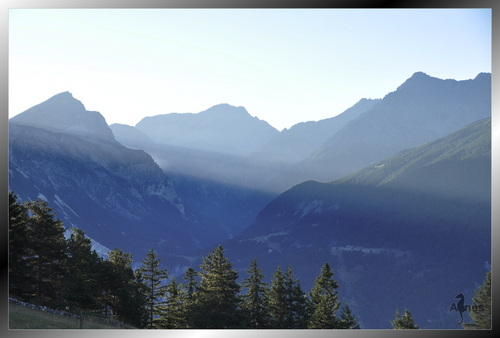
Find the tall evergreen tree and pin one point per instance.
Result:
(324, 301)
(481, 309)
(254, 302)
(175, 314)
(155, 290)
(189, 289)
(191, 283)
(83, 283)
(217, 299)
(297, 302)
(46, 253)
(19, 270)
(347, 320)
(277, 301)
(124, 290)
(404, 322)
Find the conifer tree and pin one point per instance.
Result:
(83, 283)
(46, 253)
(297, 302)
(155, 290)
(277, 301)
(124, 290)
(189, 289)
(254, 302)
(191, 284)
(174, 316)
(324, 302)
(481, 309)
(404, 322)
(347, 319)
(19, 270)
(217, 296)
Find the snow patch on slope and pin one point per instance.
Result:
(312, 207)
(64, 206)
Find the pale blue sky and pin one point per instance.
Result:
(283, 66)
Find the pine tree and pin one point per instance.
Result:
(324, 301)
(19, 270)
(217, 299)
(191, 284)
(297, 302)
(46, 253)
(124, 290)
(175, 314)
(277, 301)
(347, 319)
(254, 303)
(189, 290)
(481, 310)
(82, 287)
(404, 322)
(155, 290)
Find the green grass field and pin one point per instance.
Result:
(24, 318)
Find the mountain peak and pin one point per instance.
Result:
(483, 76)
(417, 79)
(225, 110)
(63, 113)
(222, 128)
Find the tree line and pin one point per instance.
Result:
(46, 268)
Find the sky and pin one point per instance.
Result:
(284, 66)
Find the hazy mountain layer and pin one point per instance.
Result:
(223, 186)
(117, 195)
(420, 110)
(64, 113)
(221, 129)
(410, 231)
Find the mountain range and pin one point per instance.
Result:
(420, 110)
(411, 231)
(95, 183)
(395, 192)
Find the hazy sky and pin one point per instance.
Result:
(283, 65)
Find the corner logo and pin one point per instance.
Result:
(461, 307)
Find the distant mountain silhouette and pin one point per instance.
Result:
(290, 146)
(64, 113)
(422, 109)
(221, 129)
(131, 137)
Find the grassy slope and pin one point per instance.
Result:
(23, 318)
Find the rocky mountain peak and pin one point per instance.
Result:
(64, 113)
(416, 80)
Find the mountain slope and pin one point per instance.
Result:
(214, 180)
(406, 227)
(290, 146)
(120, 197)
(64, 113)
(131, 137)
(220, 129)
(420, 110)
